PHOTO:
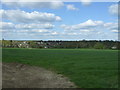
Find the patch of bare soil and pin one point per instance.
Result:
(16, 75)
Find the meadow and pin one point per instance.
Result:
(87, 68)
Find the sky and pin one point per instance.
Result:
(59, 21)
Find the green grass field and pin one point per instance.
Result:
(87, 68)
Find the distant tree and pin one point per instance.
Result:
(61, 44)
(99, 45)
(6, 43)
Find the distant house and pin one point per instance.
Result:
(45, 47)
(114, 47)
(23, 45)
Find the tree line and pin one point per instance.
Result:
(93, 44)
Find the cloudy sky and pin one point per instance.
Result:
(59, 20)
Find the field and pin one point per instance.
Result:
(87, 68)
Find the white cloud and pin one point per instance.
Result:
(8, 28)
(113, 9)
(58, 18)
(5, 25)
(71, 7)
(36, 4)
(28, 17)
(115, 31)
(40, 31)
(29, 31)
(85, 25)
(34, 26)
(111, 26)
(91, 23)
(54, 33)
(86, 30)
(91, 29)
(8, 25)
(86, 2)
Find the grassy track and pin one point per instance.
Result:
(86, 68)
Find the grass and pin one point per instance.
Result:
(87, 68)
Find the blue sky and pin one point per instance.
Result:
(59, 21)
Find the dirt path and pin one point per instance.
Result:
(24, 76)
